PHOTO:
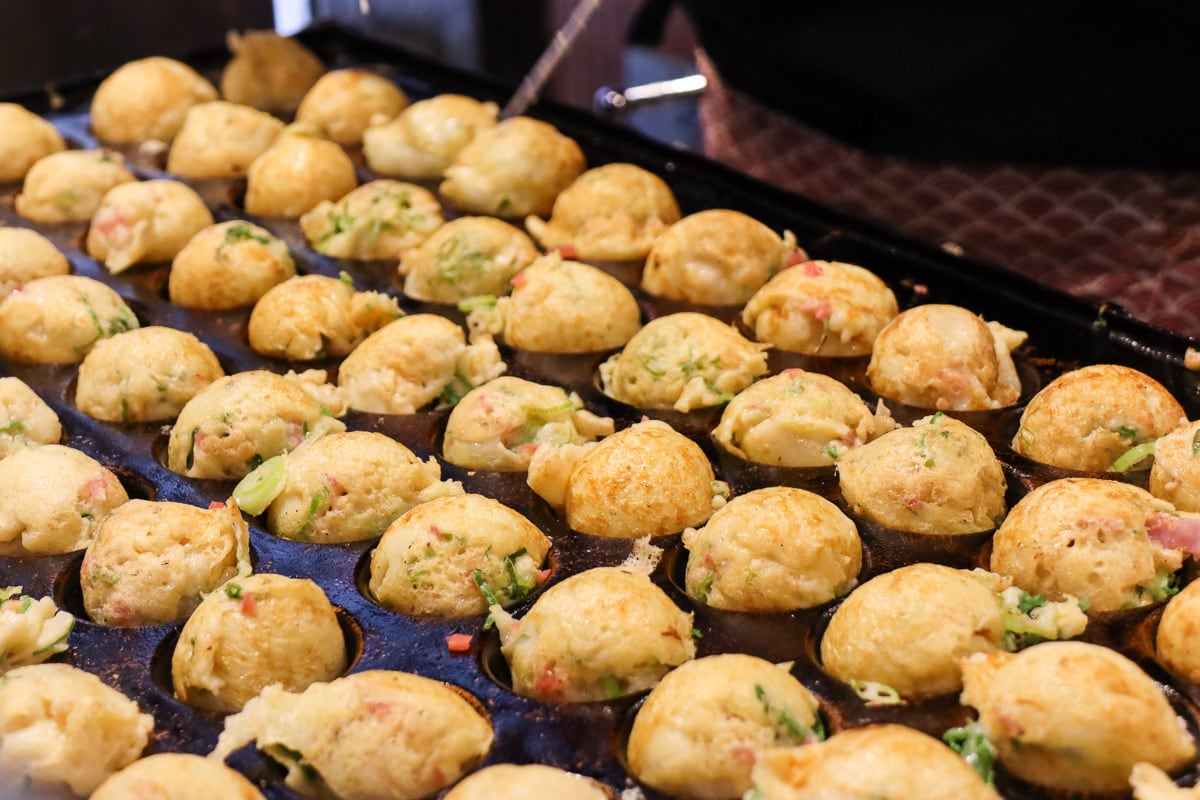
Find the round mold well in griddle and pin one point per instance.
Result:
(572, 371)
(849, 370)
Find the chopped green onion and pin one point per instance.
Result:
(874, 693)
(1132, 457)
(14, 426)
(704, 587)
(9, 593)
(469, 304)
(612, 687)
(243, 232)
(1028, 602)
(257, 490)
(233, 591)
(346, 278)
(481, 582)
(970, 742)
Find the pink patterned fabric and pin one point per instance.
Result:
(1125, 236)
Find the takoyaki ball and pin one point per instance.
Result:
(145, 222)
(499, 425)
(610, 213)
(52, 500)
(1087, 418)
(946, 358)
(32, 630)
(25, 418)
(716, 257)
(513, 169)
(63, 728)
(800, 549)
(938, 477)
(1178, 636)
(380, 219)
(27, 138)
(344, 102)
(57, 320)
(1175, 474)
(221, 140)
(798, 419)
(147, 99)
(410, 363)
(314, 316)
(646, 480)
(235, 423)
(268, 71)
(228, 265)
(466, 257)
(344, 487)
(452, 556)
(700, 729)
(683, 361)
(598, 635)
(254, 631)
(299, 170)
(150, 562)
(24, 255)
(561, 306)
(144, 375)
(68, 186)
(824, 308)
(1087, 537)
(892, 761)
(522, 781)
(364, 736)
(909, 628)
(426, 137)
(177, 776)
(1074, 716)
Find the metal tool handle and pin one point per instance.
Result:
(608, 99)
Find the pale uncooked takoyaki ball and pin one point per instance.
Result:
(254, 631)
(799, 549)
(611, 213)
(344, 102)
(410, 363)
(24, 255)
(716, 257)
(150, 562)
(1074, 716)
(147, 99)
(798, 419)
(522, 781)
(57, 320)
(177, 776)
(439, 557)
(235, 423)
(344, 487)
(68, 186)
(826, 308)
(466, 257)
(1086, 418)
(228, 265)
(1175, 475)
(876, 761)
(145, 222)
(268, 71)
(27, 138)
(600, 634)
(945, 357)
(647, 480)
(1178, 636)
(683, 361)
(296, 172)
(380, 219)
(699, 730)
(909, 628)
(314, 316)
(561, 306)
(367, 735)
(499, 425)
(1086, 537)
(938, 477)
(221, 140)
(63, 728)
(52, 500)
(513, 169)
(25, 418)
(144, 375)
(426, 137)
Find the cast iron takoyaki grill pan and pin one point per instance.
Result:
(586, 737)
